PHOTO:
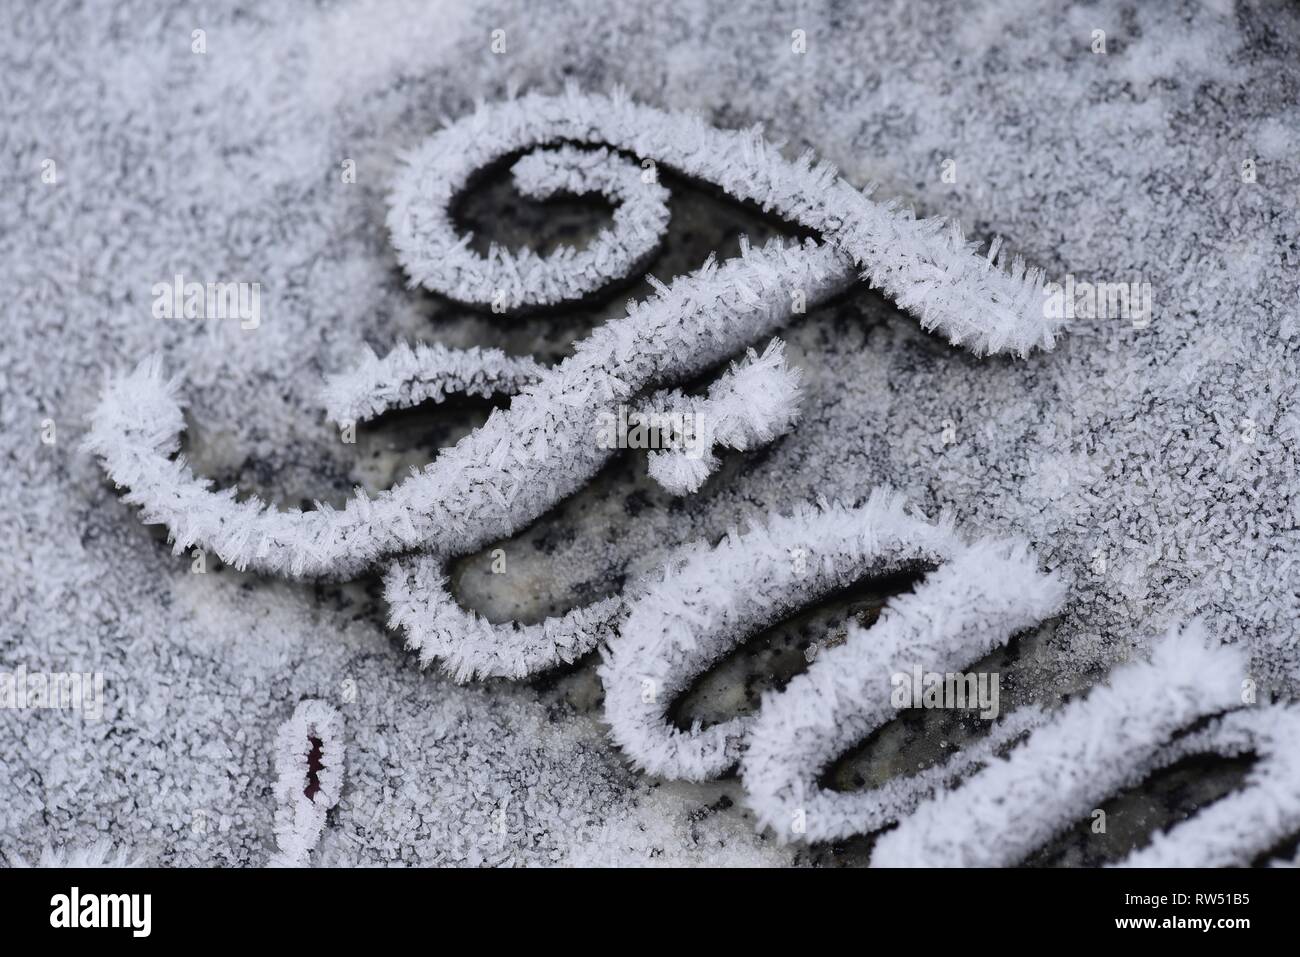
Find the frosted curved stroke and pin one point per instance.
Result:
(709, 600)
(1090, 749)
(926, 265)
(1247, 823)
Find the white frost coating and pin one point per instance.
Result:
(100, 854)
(709, 600)
(978, 597)
(927, 265)
(679, 473)
(749, 405)
(511, 280)
(521, 279)
(1088, 751)
(1239, 827)
(494, 481)
(299, 819)
(468, 646)
(407, 377)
